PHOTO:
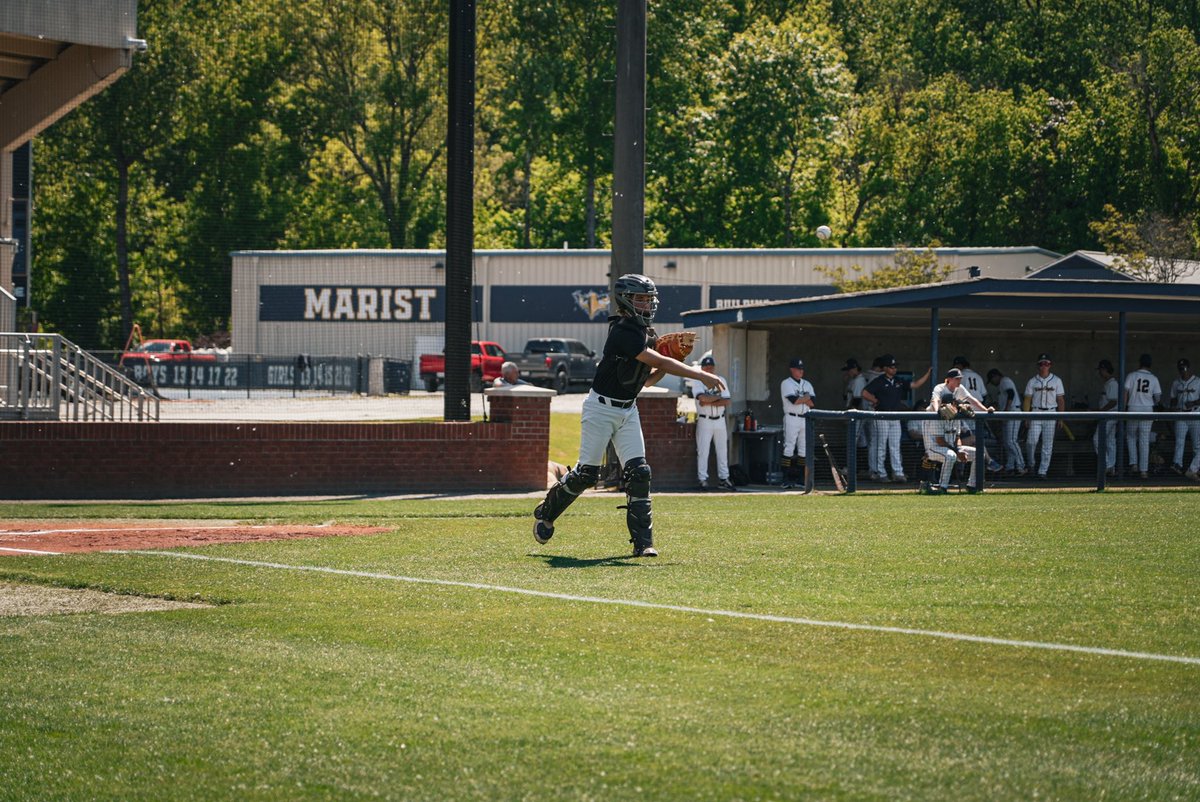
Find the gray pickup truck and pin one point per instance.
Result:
(556, 362)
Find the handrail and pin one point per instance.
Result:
(47, 377)
(852, 417)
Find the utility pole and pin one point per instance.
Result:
(629, 144)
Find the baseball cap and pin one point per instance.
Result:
(961, 361)
(1044, 358)
(796, 363)
(1105, 364)
(877, 362)
(947, 398)
(1183, 363)
(994, 372)
(954, 373)
(851, 364)
(1144, 361)
(887, 361)
(708, 360)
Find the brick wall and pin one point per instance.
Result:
(196, 460)
(181, 460)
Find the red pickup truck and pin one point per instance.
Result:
(486, 359)
(139, 363)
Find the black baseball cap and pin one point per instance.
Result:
(954, 373)
(1105, 364)
(947, 398)
(961, 361)
(1183, 363)
(994, 372)
(1044, 358)
(851, 364)
(708, 360)
(887, 361)
(796, 362)
(1144, 361)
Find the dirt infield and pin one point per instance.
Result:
(70, 536)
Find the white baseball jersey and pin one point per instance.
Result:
(975, 385)
(853, 394)
(707, 411)
(802, 388)
(1185, 394)
(1007, 399)
(1109, 393)
(1142, 390)
(1044, 392)
(960, 393)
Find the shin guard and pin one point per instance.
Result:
(565, 491)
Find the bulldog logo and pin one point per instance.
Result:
(591, 302)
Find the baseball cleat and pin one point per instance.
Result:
(1178, 469)
(542, 530)
(898, 478)
(1143, 474)
(1193, 475)
(645, 551)
(727, 486)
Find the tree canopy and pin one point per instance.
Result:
(321, 124)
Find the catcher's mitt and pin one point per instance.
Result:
(676, 344)
(947, 411)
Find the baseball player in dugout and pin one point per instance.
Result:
(711, 431)
(1185, 397)
(1007, 400)
(798, 398)
(1106, 402)
(943, 439)
(888, 393)
(1044, 392)
(630, 362)
(1142, 393)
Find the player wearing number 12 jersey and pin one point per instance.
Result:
(1142, 392)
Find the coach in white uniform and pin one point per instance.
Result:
(1142, 392)
(797, 394)
(1043, 393)
(711, 429)
(1185, 397)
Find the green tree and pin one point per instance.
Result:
(908, 268)
(371, 77)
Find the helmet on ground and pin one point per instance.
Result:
(627, 290)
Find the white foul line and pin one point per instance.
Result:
(30, 551)
(778, 619)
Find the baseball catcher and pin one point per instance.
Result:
(610, 415)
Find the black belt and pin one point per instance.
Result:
(1046, 409)
(712, 417)
(613, 402)
(796, 414)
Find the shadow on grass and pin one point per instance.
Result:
(558, 561)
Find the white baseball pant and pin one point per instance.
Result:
(711, 432)
(1110, 443)
(887, 443)
(1014, 457)
(1183, 430)
(1040, 430)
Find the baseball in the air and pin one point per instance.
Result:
(824, 232)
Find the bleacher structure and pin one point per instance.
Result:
(47, 377)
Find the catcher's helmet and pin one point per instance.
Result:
(642, 310)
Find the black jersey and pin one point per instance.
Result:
(620, 374)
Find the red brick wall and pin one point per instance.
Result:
(670, 445)
(178, 460)
(192, 460)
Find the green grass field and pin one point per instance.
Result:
(305, 685)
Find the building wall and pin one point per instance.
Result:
(526, 294)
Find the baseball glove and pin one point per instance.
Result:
(947, 411)
(676, 344)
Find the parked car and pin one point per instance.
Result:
(140, 363)
(486, 359)
(556, 362)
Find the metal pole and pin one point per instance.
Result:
(935, 324)
(1122, 332)
(629, 141)
(460, 224)
(851, 455)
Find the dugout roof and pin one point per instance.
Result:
(983, 303)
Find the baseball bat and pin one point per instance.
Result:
(839, 481)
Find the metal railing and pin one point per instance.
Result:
(47, 377)
(853, 419)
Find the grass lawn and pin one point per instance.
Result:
(304, 685)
